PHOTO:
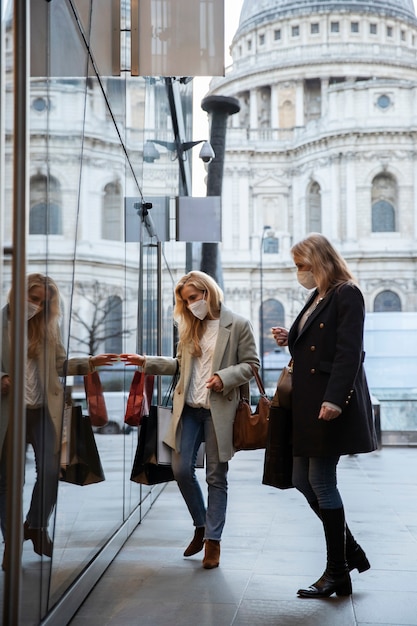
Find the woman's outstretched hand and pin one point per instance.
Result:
(133, 359)
(104, 359)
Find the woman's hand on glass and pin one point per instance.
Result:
(103, 359)
(133, 359)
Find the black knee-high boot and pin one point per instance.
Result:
(336, 577)
(355, 555)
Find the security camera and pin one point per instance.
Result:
(206, 152)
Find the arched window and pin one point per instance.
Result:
(114, 325)
(287, 115)
(273, 315)
(112, 212)
(45, 215)
(384, 202)
(387, 301)
(314, 208)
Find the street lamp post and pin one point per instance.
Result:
(261, 283)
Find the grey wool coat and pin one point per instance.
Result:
(52, 364)
(328, 366)
(235, 349)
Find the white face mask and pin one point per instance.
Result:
(33, 309)
(199, 309)
(306, 279)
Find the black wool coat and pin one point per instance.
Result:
(328, 366)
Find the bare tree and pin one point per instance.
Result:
(97, 322)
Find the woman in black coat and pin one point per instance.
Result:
(331, 406)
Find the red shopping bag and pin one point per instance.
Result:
(140, 398)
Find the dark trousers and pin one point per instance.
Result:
(40, 433)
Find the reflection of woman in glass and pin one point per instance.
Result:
(44, 398)
(214, 354)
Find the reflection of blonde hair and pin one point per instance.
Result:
(327, 265)
(190, 327)
(44, 325)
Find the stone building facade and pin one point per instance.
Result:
(325, 141)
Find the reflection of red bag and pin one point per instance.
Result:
(140, 398)
(95, 400)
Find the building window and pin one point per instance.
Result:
(112, 213)
(295, 31)
(314, 28)
(40, 104)
(270, 245)
(403, 35)
(261, 40)
(249, 44)
(273, 315)
(383, 101)
(384, 201)
(114, 325)
(354, 27)
(387, 301)
(390, 31)
(277, 34)
(334, 27)
(45, 216)
(373, 29)
(314, 208)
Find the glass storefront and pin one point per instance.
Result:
(85, 171)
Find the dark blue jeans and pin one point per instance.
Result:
(197, 426)
(316, 478)
(40, 433)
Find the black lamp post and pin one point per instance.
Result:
(261, 282)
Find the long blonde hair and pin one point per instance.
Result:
(191, 328)
(328, 267)
(42, 327)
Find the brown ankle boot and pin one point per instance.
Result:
(197, 542)
(211, 554)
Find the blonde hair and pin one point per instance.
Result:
(44, 325)
(328, 267)
(191, 328)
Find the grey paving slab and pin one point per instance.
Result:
(272, 544)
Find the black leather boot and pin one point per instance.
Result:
(355, 555)
(336, 577)
(42, 543)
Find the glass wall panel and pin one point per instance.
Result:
(87, 129)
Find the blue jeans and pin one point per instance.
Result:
(316, 478)
(197, 426)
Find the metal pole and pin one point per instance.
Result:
(220, 107)
(17, 423)
(261, 312)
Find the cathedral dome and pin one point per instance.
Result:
(255, 12)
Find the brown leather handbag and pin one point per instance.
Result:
(250, 430)
(283, 393)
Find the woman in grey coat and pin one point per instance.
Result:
(215, 351)
(44, 399)
(331, 406)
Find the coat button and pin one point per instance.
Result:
(321, 325)
(312, 348)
